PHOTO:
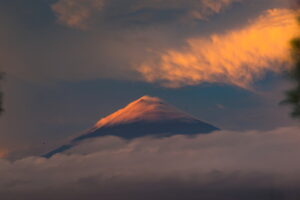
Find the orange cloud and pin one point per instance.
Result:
(3, 153)
(237, 57)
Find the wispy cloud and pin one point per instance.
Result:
(80, 13)
(236, 57)
(76, 13)
(219, 166)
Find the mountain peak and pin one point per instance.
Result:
(150, 99)
(146, 116)
(146, 108)
(146, 101)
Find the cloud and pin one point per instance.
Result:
(114, 49)
(81, 13)
(75, 13)
(222, 165)
(237, 57)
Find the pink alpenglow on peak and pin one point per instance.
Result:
(147, 116)
(145, 108)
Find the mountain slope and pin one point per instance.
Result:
(147, 116)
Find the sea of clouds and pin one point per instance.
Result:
(223, 165)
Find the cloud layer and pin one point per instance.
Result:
(130, 40)
(223, 165)
(81, 13)
(237, 57)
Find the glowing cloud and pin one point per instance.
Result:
(237, 57)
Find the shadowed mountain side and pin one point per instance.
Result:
(147, 116)
(156, 129)
(142, 129)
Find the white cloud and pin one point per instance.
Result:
(227, 163)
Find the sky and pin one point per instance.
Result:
(69, 63)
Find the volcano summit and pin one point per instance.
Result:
(147, 116)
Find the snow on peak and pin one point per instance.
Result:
(146, 108)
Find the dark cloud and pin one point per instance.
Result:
(79, 13)
(1, 95)
(219, 166)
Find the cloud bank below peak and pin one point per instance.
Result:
(221, 166)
